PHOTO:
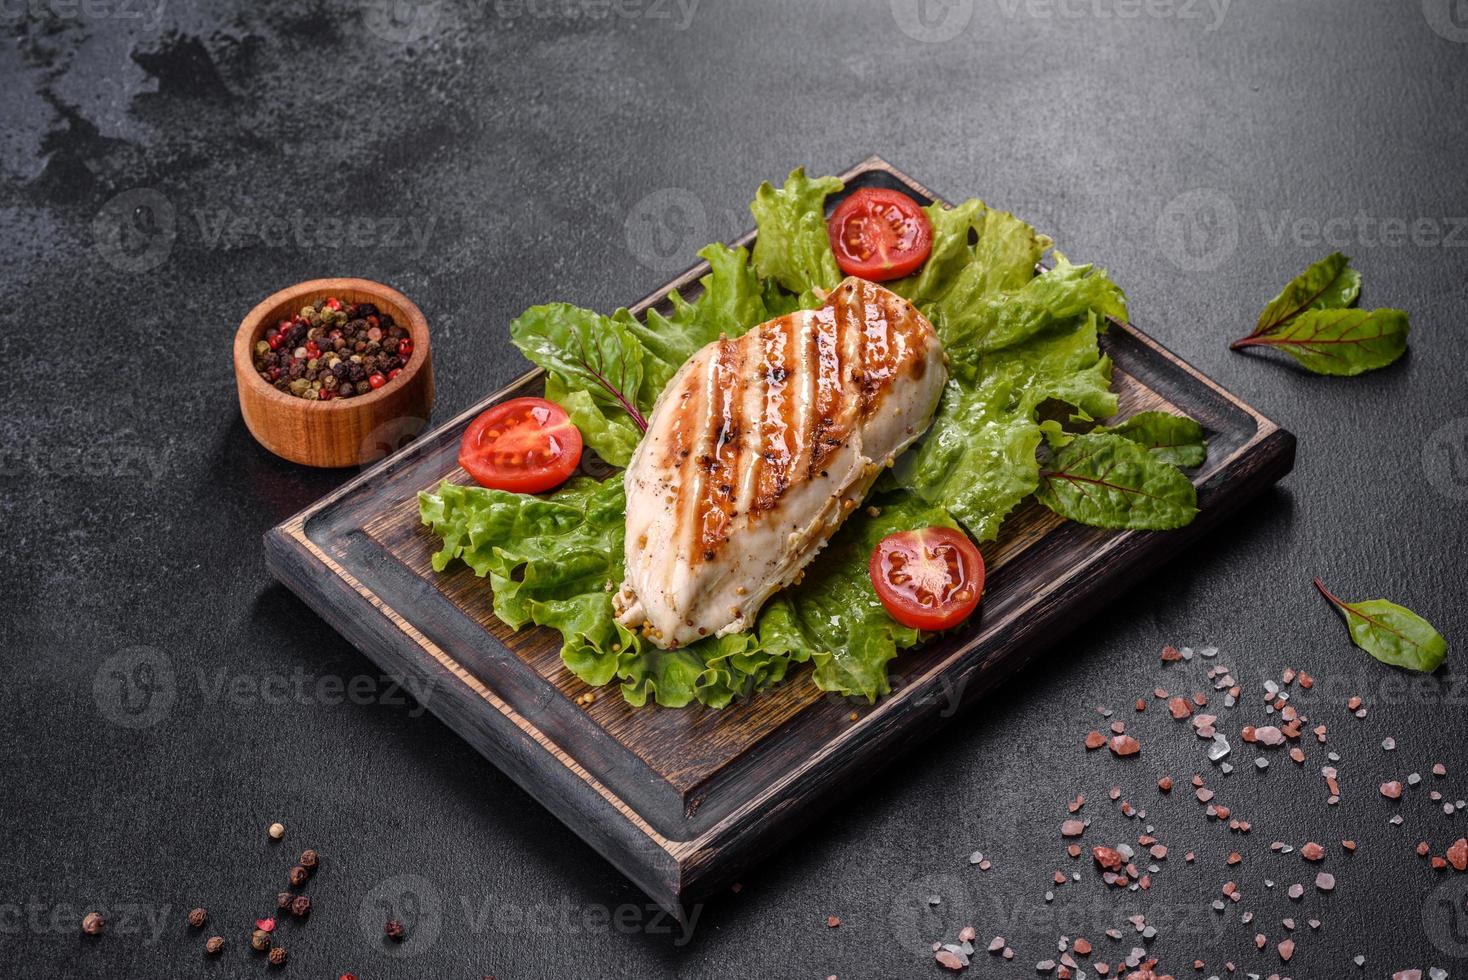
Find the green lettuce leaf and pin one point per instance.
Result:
(793, 248)
(1108, 481)
(549, 560)
(1015, 340)
(733, 301)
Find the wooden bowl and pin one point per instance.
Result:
(342, 431)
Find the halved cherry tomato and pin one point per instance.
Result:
(930, 579)
(879, 234)
(525, 445)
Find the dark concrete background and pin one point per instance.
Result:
(166, 167)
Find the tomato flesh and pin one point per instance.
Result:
(930, 579)
(879, 234)
(525, 445)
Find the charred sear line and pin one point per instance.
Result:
(725, 448)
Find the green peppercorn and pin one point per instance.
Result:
(261, 348)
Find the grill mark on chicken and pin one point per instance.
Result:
(826, 430)
(684, 450)
(778, 441)
(721, 456)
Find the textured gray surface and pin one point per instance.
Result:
(539, 155)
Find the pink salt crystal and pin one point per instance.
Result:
(1392, 790)
(948, 959)
(1269, 735)
(1124, 745)
(1325, 881)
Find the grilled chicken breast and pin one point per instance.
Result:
(757, 450)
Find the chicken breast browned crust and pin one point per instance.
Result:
(757, 450)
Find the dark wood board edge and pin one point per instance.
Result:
(632, 847)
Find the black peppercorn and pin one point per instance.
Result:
(278, 956)
(310, 859)
(93, 924)
(283, 900)
(299, 876)
(300, 906)
(214, 946)
(394, 930)
(197, 918)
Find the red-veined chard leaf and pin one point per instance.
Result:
(594, 365)
(1174, 439)
(1330, 284)
(1391, 633)
(1109, 481)
(1339, 342)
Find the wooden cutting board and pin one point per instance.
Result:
(682, 799)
